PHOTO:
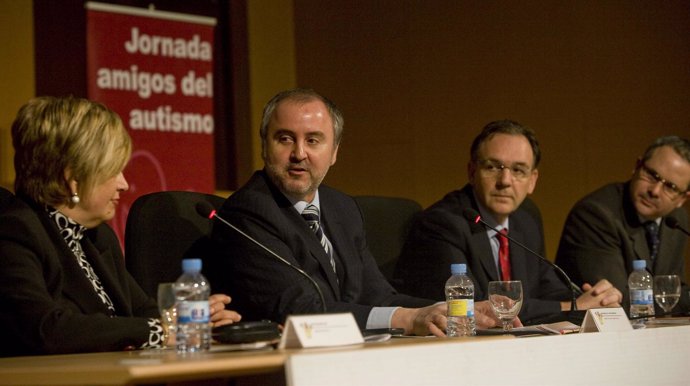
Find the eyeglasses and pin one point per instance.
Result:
(651, 176)
(493, 169)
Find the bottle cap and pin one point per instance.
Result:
(639, 264)
(193, 265)
(458, 269)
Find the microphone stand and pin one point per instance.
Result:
(206, 210)
(672, 223)
(574, 315)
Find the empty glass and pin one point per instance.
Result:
(166, 306)
(666, 291)
(505, 298)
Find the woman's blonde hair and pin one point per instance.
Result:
(55, 138)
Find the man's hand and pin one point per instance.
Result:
(602, 294)
(433, 320)
(219, 315)
(421, 321)
(484, 316)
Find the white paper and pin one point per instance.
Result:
(322, 330)
(605, 320)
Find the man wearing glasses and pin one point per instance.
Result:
(622, 222)
(502, 172)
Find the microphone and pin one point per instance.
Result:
(206, 210)
(473, 216)
(672, 222)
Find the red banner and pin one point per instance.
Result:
(155, 69)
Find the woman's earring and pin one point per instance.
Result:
(74, 199)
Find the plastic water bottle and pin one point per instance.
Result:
(193, 317)
(460, 300)
(641, 287)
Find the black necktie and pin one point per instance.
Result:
(311, 216)
(651, 230)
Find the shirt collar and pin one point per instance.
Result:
(643, 220)
(300, 205)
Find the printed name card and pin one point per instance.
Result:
(323, 330)
(605, 320)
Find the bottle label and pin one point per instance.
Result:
(461, 307)
(642, 297)
(196, 311)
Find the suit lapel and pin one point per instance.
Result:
(299, 235)
(102, 263)
(634, 228)
(482, 250)
(667, 240)
(518, 256)
(480, 243)
(76, 286)
(639, 242)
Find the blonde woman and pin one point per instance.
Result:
(63, 283)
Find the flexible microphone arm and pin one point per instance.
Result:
(206, 210)
(672, 222)
(472, 215)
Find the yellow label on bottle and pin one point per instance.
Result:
(457, 307)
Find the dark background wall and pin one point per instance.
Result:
(417, 80)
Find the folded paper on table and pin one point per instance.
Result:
(557, 328)
(605, 320)
(322, 330)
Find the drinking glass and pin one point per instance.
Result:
(666, 291)
(166, 306)
(505, 298)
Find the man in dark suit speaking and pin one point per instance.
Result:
(316, 229)
(622, 222)
(502, 172)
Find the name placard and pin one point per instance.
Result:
(322, 330)
(605, 320)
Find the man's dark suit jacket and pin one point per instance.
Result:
(47, 305)
(441, 236)
(603, 235)
(262, 287)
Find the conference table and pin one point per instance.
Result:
(659, 356)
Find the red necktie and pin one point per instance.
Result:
(503, 255)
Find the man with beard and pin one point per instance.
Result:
(619, 223)
(315, 228)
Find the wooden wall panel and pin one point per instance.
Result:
(417, 80)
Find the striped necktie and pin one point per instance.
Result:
(311, 216)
